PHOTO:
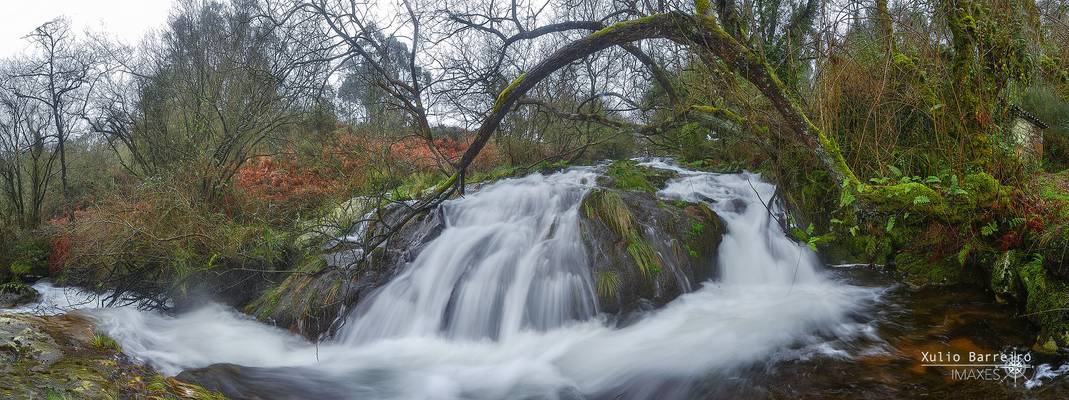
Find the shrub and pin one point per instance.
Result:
(29, 256)
(104, 342)
(159, 244)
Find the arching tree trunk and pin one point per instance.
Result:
(700, 32)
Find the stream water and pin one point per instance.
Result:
(500, 306)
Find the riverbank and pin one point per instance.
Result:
(773, 320)
(63, 356)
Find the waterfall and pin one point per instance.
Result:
(500, 305)
(510, 258)
(755, 251)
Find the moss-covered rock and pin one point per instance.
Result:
(1004, 281)
(1047, 304)
(633, 265)
(913, 197)
(936, 231)
(308, 301)
(59, 357)
(918, 270)
(628, 175)
(14, 294)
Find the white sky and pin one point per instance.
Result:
(127, 20)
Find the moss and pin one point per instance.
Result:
(1004, 280)
(701, 7)
(289, 296)
(919, 270)
(1047, 303)
(447, 183)
(623, 24)
(696, 228)
(628, 175)
(907, 197)
(500, 102)
(981, 190)
(60, 357)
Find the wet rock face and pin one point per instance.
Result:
(15, 294)
(321, 287)
(644, 251)
(61, 357)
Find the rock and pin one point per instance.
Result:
(1004, 281)
(628, 175)
(635, 261)
(309, 300)
(919, 270)
(1047, 304)
(633, 264)
(14, 294)
(240, 382)
(62, 357)
(335, 222)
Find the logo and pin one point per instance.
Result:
(1002, 366)
(1016, 365)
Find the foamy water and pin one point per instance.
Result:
(55, 300)
(500, 305)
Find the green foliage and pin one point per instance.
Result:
(164, 243)
(54, 395)
(696, 228)
(104, 342)
(1052, 109)
(1048, 301)
(627, 175)
(693, 142)
(29, 255)
(609, 208)
(608, 283)
(644, 255)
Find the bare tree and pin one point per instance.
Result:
(27, 155)
(218, 85)
(695, 28)
(60, 74)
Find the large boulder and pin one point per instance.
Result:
(14, 294)
(322, 286)
(644, 252)
(62, 357)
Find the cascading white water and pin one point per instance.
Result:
(510, 258)
(755, 251)
(58, 300)
(500, 306)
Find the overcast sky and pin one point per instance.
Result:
(127, 20)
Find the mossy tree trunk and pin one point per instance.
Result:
(883, 18)
(702, 33)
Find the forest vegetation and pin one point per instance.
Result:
(219, 156)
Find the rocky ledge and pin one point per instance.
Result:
(62, 357)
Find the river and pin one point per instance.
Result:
(501, 305)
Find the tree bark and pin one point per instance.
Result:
(701, 32)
